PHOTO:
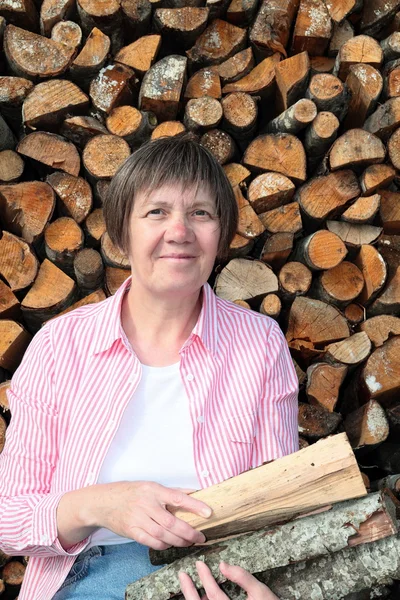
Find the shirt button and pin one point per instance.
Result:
(200, 419)
(189, 377)
(205, 473)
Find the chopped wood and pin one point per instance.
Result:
(375, 177)
(69, 34)
(249, 224)
(292, 76)
(182, 26)
(112, 87)
(161, 87)
(270, 190)
(133, 125)
(328, 94)
(244, 279)
(22, 13)
(365, 85)
(242, 303)
(241, 13)
(391, 73)
(271, 306)
(367, 426)
(11, 166)
(4, 406)
(202, 114)
(363, 210)
(18, 264)
(13, 573)
(240, 117)
(389, 210)
(63, 239)
(74, 195)
(94, 227)
(9, 304)
(271, 29)
(380, 328)
(315, 422)
(107, 16)
(89, 270)
(389, 301)
(51, 293)
(341, 32)
(294, 280)
(339, 285)
(80, 130)
(385, 119)
(321, 64)
(141, 54)
(112, 256)
(92, 56)
(277, 249)
(236, 67)
(374, 271)
(295, 118)
(7, 138)
(14, 340)
(283, 153)
(285, 219)
(394, 149)
(96, 296)
(216, 44)
(356, 148)
(205, 82)
(320, 250)
(220, 144)
(103, 155)
(377, 14)
(237, 174)
(391, 47)
(354, 313)
(319, 136)
(260, 81)
(354, 235)
(136, 16)
(313, 28)
(13, 91)
(340, 9)
(114, 278)
(51, 150)
(349, 352)
(380, 376)
(323, 384)
(52, 12)
(359, 49)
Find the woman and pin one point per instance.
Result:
(120, 408)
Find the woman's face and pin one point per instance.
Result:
(173, 240)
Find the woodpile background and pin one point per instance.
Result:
(298, 99)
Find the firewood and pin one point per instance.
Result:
(7, 138)
(63, 239)
(320, 250)
(136, 15)
(294, 280)
(236, 67)
(26, 208)
(295, 118)
(376, 15)
(168, 128)
(323, 384)
(389, 301)
(94, 297)
(375, 177)
(363, 210)
(339, 285)
(325, 196)
(112, 256)
(349, 352)
(217, 7)
(51, 150)
(270, 190)
(244, 279)
(89, 270)
(240, 246)
(34, 56)
(277, 249)
(13, 91)
(182, 26)
(271, 28)
(74, 195)
(340, 9)
(92, 57)
(103, 155)
(14, 340)
(367, 426)
(321, 64)
(359, 49)
(114, 278)
(69, 34)
(240, 117)
(217, 43)
(283, 153)
(9, 303)
(380, 328)
(52, 12)
(18, 264)
(354, 235)
(220, 144)
(387, 457)
(394, 150)
(5, 409)
(249, 224)
(133, 125)
(356, 148)
(205, 82)
(94, 227)
(319, 136)
(389, 210)
(260, 81)
(107, 16)
(202, 114)
(354, 313)
(292, 76)
(240, 13)
(49, 103)
(80, 130)
(285, 219)
(380, 376)
(365, 84)
(51, 292)
(341, 32)
(391, 47)
(112, 87)
(237, 174)
(11, 166)
(161, 87)
(13, 573)
(391, 74)
(23, 13)
(271, 306)
(374, 271)
(141, 54)
(313, 28)
(385, 119)
(316, 422)
(242, 303)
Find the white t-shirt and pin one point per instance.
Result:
(154, 441)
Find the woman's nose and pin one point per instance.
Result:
(179, 230)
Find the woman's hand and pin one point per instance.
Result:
(254, 588)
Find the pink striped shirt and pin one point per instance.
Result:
(71, 389)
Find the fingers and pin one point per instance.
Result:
(211, 587)
(178, 499)
(142, 537)
(187, 586)
(179, 528)
(251, 585)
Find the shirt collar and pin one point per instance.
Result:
(205, 328)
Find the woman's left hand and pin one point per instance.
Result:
(254, 588)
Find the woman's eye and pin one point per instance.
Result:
(155, 211)
(201, 213)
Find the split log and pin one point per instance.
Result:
(112, 256)
(112, 87)
(271, 29)
(52, 12)
(51, 150)
(136, 16)
(161, 87)
(74, 195)
(356, 148)
(349, 352)
(13, 91)
(313, 28)
(377, 15)
(391, 84)
(202, 114)
(114, 278)
(339, 285)
(14, 340)
(63, 239)
(270, 190)
(26, 208)
(13, 573)
(237, 174)
(321, 64)
(359, 49)
(133, 125)
(292, 76)
(51, 292)
(380, 376)
(9, 303)
(315, 422)
(375, 177)
(285, 219)
(106, 16)
(354, 235)
(217, 43)
(240, 117)
(320, 250)
(294, 280)
(236, 67)
(33, 56)
(181, 26)
(323, 384)
(373, 268)
(295, 118)
(5, 408)
(244, 279)
(11, 166)
(18, 264)
(205, 82)
(341, 32)
(141, 54)
(380, 328)
(89, 270)
(354, 313)
(271, 306)
(69, 34)
(319, 137)
(391, 47)
(49, 103)
(167, 129)
(7, 138)
(80, 130)
(394, 150)
(93, 298)
(23, 13)
(249, 224)
(277, 249)
(94, 227)
(103, 155)
(367, 426)
(260, 81)
(389, 209)
(92, 57)
(220, 144)
(283, 153)
(385, 119)
(365, 85)
(240, 13)
(389, 301)
(363, 210)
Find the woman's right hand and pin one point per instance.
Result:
(138, 510)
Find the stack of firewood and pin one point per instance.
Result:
(299, 100)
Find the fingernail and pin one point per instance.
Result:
(206, 512)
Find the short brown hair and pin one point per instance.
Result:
(178, 159)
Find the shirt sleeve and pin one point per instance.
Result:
(277, 418)
(28, 524)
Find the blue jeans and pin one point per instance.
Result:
(103, 572)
